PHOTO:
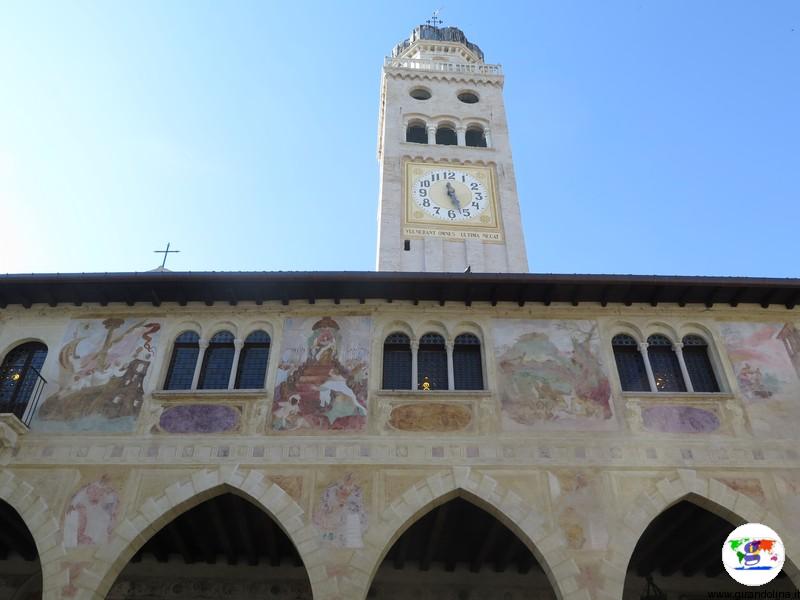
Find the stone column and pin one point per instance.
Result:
(431, 134)
(461, 136)
(237, 344)
(414, 350)
(677, 348)
(451, 384)
(643, 349)
(203, 343)
(487, 134)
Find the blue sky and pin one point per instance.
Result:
(648, 137)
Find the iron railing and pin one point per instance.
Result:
(419, 64)
(20, 391)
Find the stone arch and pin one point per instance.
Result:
(547, 544)
(157, 511)
(41, 523)
(706, 492)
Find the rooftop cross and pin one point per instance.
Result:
(166, 253)
(435, 20)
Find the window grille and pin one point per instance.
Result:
(20, 377)
(432, 361)
(217, 362)
(397, 362)
(665, 365)
(183, 361)
(467, 364)
(698, 364)
(253, 360)
(630, 364)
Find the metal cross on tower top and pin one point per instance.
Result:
(435, 20)
(166, 253)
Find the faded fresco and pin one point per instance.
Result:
(91, 514)
(322, 377)
(200, 418)
(103, 364)
(576, 505)
(764, 358)
(340, 516)
(550, 375)
(430, 417)
(679, 419)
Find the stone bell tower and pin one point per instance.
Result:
(448, 195)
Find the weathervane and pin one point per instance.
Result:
(435, 20)
(166, 253)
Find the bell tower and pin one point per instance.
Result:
(448, 195)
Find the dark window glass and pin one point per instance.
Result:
(183, 361)
(475, 137)
(446, 136)
(630, 364)
(20, 376)
(665, 365)
(698, 364)
(253, 361)
(217, 362)
(417, 134)
(397, 362)
(432, 361)
(467, 366)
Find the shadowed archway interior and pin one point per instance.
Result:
(681, 550)
(459, 551)
(20, 571)
(225, 547)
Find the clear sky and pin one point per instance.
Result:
(648, 137)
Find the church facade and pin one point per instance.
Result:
(449, 427)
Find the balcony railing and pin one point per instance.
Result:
(20, 391)
(418, 64)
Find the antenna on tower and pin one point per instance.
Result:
(435, 20)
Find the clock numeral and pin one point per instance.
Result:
(451, 213)
(449, 175)
(423, 192)
(478, 196)
(425, 183)
(476, 205)
(437, 209)
(463, 179)
(426, 203)
(465, 212)
(434, 177)
(473, 186)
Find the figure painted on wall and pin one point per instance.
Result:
(763, 358)
(91, 514)
(340, 516)
(550, 375)
(103, 365)
(577, 508)
(322, 378)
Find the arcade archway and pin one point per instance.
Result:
(20, 571)
(459, 551)
(225, 547)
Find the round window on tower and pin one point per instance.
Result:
(420, 93)
(468, 97)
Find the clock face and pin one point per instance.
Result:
(450, 195)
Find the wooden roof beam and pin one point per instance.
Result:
(433, 539)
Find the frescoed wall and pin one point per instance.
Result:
(340, 516)
(762, 358)
(102, 367)
(322, 376)
(550, 375)
(91, 514)
(578, 509)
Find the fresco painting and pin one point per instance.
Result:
(679, 419)
(102, 367)
(765, 364)
(550, 375)
(200, 418)
(91, 514)
(577, 509)
(430, 417)
(340, 516)
(322, 376)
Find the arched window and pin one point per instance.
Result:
(397, 362)
(446, 136)
(217, 362)
(20, 377)
(630, 364)
(665, 364)
(253, 359)
(183, 361)
(698, 364)
(475, 136)
(432, 361)
(417, 133)
(467, 365)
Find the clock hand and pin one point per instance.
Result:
(451, 193)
